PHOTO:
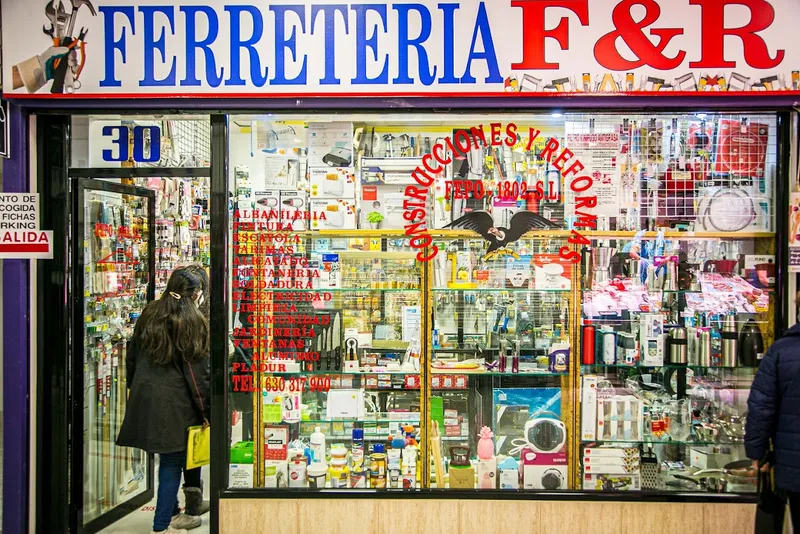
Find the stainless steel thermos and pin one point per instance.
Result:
(678, 346)
(704, 353)
(730, 342)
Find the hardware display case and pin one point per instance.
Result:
(355, 365)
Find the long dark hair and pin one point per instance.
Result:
(173, 327)
(200, 271)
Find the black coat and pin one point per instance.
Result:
(774, 410)
(162, 402)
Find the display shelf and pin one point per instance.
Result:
(343, 373)
(666, 366)
(498, 290)
(479, 372)
(350, 420)
(662, 442)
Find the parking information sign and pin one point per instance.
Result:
(20, 236)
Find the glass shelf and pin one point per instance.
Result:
(363, 420)
(480, 372)
(342, 290)
(501, 290)
(346, 373)
(666, 366)
(634, 443)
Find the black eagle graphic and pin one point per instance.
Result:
(498, 237)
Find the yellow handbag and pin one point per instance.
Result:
(198, 446)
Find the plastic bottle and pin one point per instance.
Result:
(318, 445)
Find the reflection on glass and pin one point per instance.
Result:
(116, 280)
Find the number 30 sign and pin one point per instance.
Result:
(120, 136)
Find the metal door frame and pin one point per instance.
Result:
(77, 352)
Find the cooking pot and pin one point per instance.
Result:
(722, 266)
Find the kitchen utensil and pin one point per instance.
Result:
(711, 483)
(678, 350)
(751, 344)
(601, 259)
(730, 341)
(704, 347)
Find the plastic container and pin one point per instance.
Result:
(340, 473)
(318, 445)
(297, 471)
(317, 475)
(242, 453)
(377, 467)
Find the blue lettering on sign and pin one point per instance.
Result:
(208, 62)
(120, 136)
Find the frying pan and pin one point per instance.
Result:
(736, 476)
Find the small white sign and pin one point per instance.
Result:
(20, 237)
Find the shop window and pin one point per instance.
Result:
(498, 302)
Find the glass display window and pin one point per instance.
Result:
(498, 302)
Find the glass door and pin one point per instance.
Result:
(113, 259)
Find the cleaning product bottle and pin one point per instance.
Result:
(357, 452)
(318, 445)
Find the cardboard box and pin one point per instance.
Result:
(487, 474)
(333, 214)
(462, 477)
(611, 452)
(276, 442)
(606, 482)
(276, 474)
(620, 418)
(240, 476)
(332, 183)
(589, 408)
(651, 339)
(294, 204)
(509, 474)
(544, 471)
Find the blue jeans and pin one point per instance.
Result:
(169, 481)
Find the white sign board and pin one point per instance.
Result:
(222, 48)
(20, 236)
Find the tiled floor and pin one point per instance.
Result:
(141, 521)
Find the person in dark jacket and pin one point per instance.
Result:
(193, 483)
(168, 376)
(774, 416)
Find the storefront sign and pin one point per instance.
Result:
(20, 237)
(122, 48)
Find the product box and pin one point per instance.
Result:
(329, 273)
(702, 458)
(276, 474)
(509, 474)
(487, 474)
(462, 477)
(551, 271)
(333, 214)
(240, 476)
(603, 482)
(294, 206)
(276, 442)
(544, 471)
(620, 418)
(617, 467)
(267, 205)
(332, 183)
(589, 408)
(651, 339)
(610, 452)
(741, 148)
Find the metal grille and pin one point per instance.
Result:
(184, 143)
(702, 172)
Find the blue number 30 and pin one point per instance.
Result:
(120, 138)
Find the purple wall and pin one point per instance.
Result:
(15, 347)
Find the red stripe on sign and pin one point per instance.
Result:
(19, 247)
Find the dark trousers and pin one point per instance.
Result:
(169, 480)
(794, 510)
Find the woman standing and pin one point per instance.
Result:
(168, 377)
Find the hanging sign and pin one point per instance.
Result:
(20, 236)
(219, 48)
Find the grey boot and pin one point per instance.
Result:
(195, 505)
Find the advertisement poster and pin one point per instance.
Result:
(598, 153)
(794, 233)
